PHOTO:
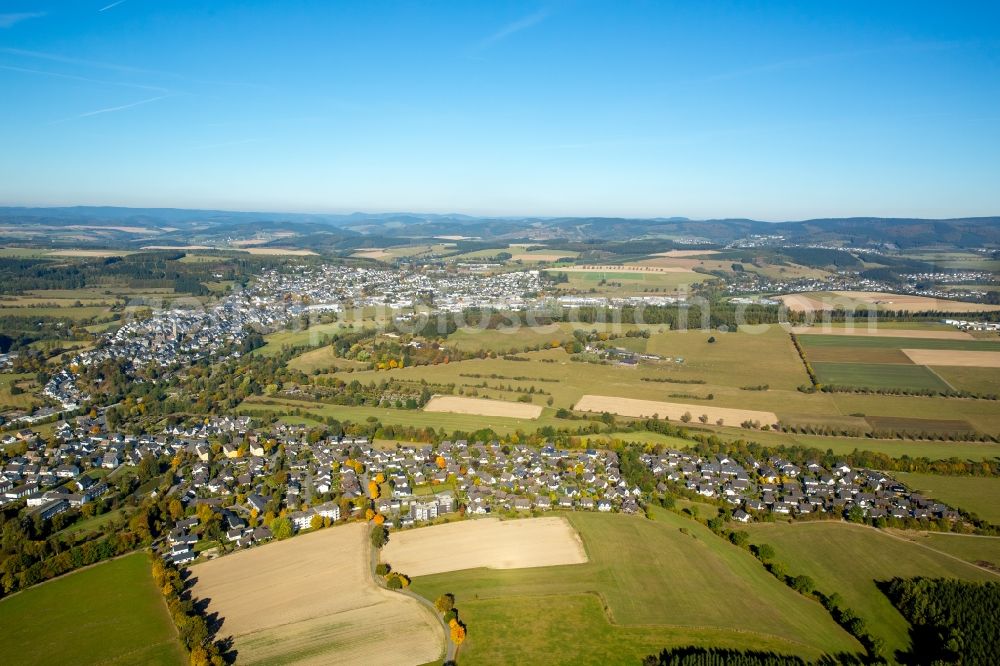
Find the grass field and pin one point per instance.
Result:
(111, 613)
(70, 312)
(975, 494)
(844, 445)
(848, 559)
(968, 547)
(977, 380)
(312, 336)
(24, 400)
(647, 586)
(879, 376)
(881, 424)
(418, 418)
(324, 360)
(734, 359)
(614, 283)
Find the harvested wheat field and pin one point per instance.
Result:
(955, 357)
(313, 600)
(482, 407)
(862, 329)
(486, 542)
(670, 410)
(625, 268)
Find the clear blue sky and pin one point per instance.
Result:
(767, 110)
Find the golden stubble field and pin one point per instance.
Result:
(670, 410)
(313, 600)
(862, 330)
(812, 302)
(954, 357)
(485, 542)
(482, 407)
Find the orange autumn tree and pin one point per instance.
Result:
(440, 462)
(373, 489)
(457, 632)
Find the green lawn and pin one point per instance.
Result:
(976, 494)
(648, 585)
(111, 613)
(878, 376)
(848, 559)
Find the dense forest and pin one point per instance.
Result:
(953, 621)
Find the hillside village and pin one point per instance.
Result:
(244, 473)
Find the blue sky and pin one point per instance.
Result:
(767, 110)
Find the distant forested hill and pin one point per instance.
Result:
(134, 226)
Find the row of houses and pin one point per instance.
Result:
(785, 488)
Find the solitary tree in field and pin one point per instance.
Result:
(686, 417)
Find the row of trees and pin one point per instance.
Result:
(194, 631)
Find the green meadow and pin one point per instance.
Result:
(110, 613)
(648, 584)
(849, 559)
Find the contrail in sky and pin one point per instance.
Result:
(113, 4)
(111, 109)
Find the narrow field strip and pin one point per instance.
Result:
(670, 410)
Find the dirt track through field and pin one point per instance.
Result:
(862, 329)
(485, 542)
(482, 407)
(312, 600)
(955, 357)
(671, 410)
